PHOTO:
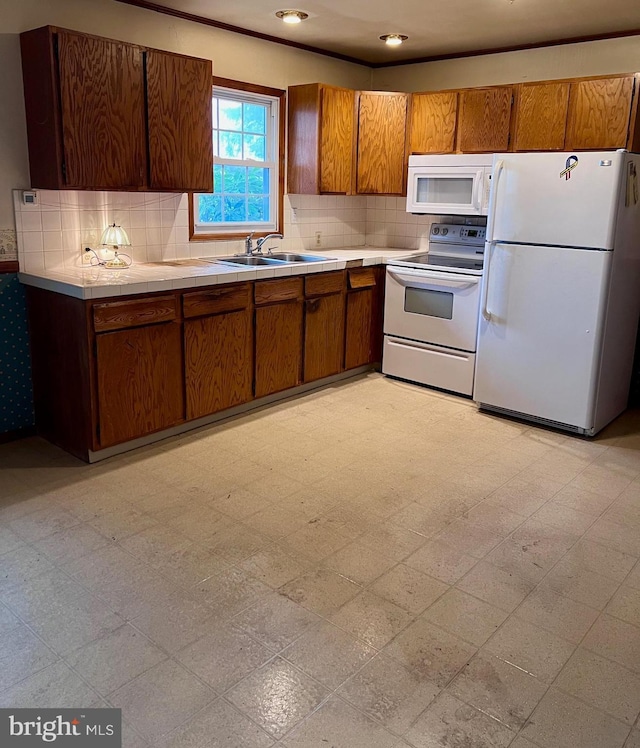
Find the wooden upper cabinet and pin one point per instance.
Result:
(484, 119)
(337, 125)
(102, 102)
(179, 122)
(95, 107)
(541, 116)
(321, 139)
(382, 123)
(433, 122)
(599, 113)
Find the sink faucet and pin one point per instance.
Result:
(261, 241)
(248, 244)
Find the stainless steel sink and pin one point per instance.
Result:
(292, 257)
(246, 260)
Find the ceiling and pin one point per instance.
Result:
(438, 28)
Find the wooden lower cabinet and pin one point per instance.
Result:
(139, 381)
(218, 360)
(363, 340)
(278, 347)
(108, 371)
(323, 336)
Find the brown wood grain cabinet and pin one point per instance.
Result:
(322, 125)
(139, 376)
(218, 349)
(541, 116)
(279, 335)
(382, 124)
(324, 324)
(103, 114)
(111, 370)
(180, 142)
(433, 121)
(363, 339)
(484, 119)
(599, 113)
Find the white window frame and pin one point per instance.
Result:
(224, 230)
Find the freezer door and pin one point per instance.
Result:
(539, 350)
(557, 199)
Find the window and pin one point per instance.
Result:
(248, 176)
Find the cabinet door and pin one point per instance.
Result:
(278, 347)
(360, 310)
(541, 116)
(484, 119)
(433, 122)
(382, 122)
(218, 362)
(139, 375)
(179, 114)
(102, 103)
(599, 112)
(323, 336)
(336, 139)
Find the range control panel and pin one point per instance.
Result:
(454, 233)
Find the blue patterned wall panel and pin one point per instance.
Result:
(16, 398)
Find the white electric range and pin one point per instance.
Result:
(431, 310)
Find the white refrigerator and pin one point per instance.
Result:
(561, 288)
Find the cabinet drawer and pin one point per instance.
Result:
(362, 277)
(272, 291)
(117, 315)
(217, 300)
(323, 284)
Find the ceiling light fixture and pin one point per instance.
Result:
(292, 16)
(393, 40)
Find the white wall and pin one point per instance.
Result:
(604, 57)
(235, 56)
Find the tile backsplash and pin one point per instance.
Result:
(52, 233)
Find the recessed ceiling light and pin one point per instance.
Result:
(393, 40)
(292, 16)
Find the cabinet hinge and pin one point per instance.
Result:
(513, 99)
(64, 172)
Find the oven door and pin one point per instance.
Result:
(432, 307)
(448, 190)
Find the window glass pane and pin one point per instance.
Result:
(234, 179)
(230, 144)
(230, 115)
(258, 208)
(235, 209)
(255, 118)
(217, 178)
(215, 143)
(257, 180)
(209, 208)
(255, 147)
(214, 113)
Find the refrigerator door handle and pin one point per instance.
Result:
(491, 242)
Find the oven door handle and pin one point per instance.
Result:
(423, 278)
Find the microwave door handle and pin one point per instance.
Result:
(491, 243)
(479, 186)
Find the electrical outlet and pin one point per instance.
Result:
(318, 238)
(294, 215)
(86, 256)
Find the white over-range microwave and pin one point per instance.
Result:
(456, 184)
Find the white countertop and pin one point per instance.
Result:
(99, 282)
